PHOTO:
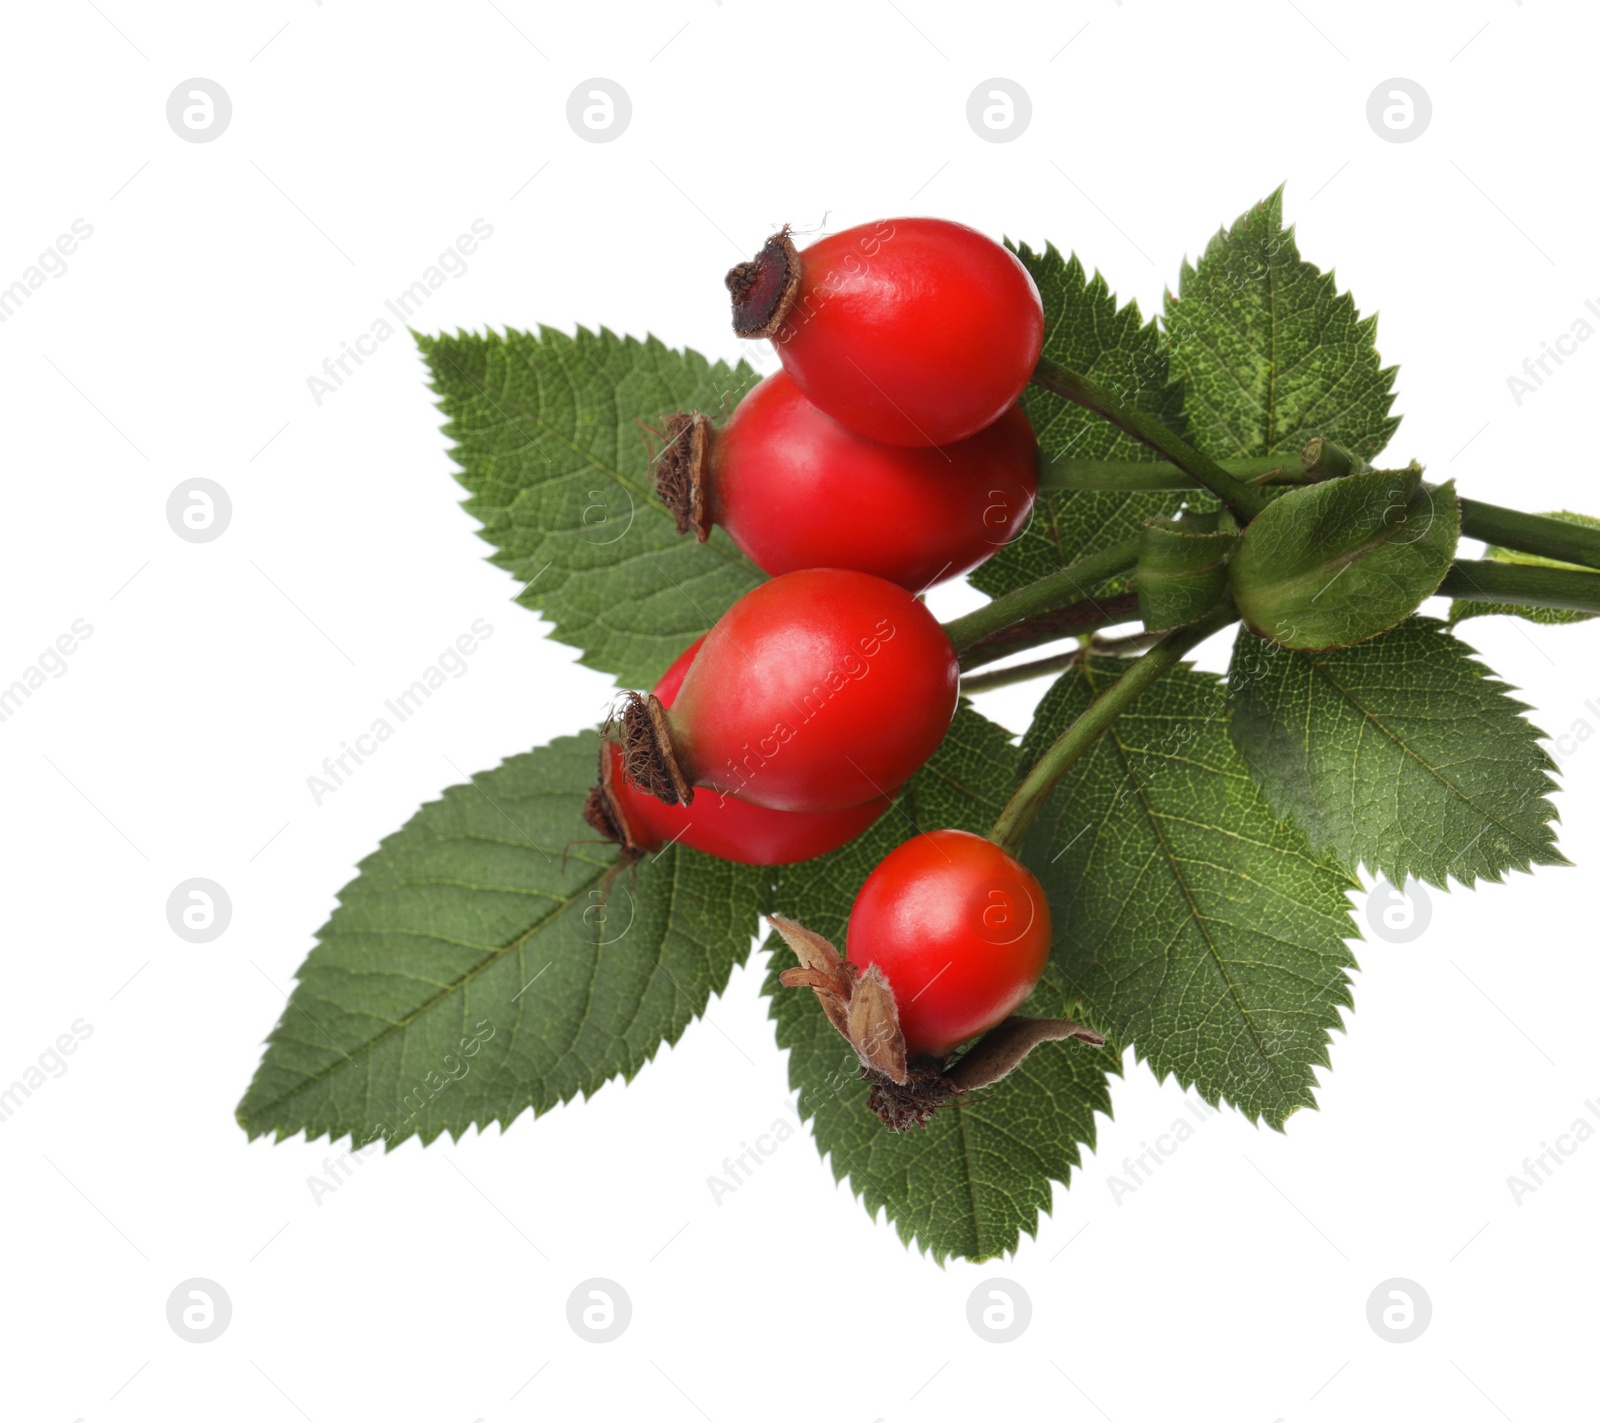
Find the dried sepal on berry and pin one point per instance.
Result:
(874, 1026)
(764, 288)
(860, 1007)
(1000, 1050)
(683, 472)
(906, 1092)
(821, 969)
(604, 814)
(648, 756)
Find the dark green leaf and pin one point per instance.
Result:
(1461, 609)
(1086, 331)
(977, 1177)
(1189, 919)
(484, 962)
(549, 431)
(1404, 754)
(1333, 564)
(1270, 353)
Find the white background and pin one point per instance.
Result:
(433, 1285)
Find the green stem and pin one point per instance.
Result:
(1022, 672)
(1243, 499)
(1531, 533)
(1129, 646)
(1320, 460)
(1508, 528)
(1096, 718)
(1074, 620)
(1156, 476)
(1043, 595)
(1524, 584)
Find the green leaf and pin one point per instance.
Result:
(1182, 574)
(1333, 564)
(1461, 609)
(1085, 330)
(1405, 754)
(1270, 352)
(1187, 917)
(977, 1177)
(550, 434)
(477, 966)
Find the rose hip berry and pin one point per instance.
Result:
(817, 690)
(913, 332)
(724, 826)
(795, 489)
(961, 931)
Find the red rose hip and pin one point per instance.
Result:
(960, 929)
(914, 331)
(795, 489)
(819, 689)
(724, 826)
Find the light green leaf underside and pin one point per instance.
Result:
(486, 918)
(1188, 918)
(1269, 351)
(1182, 574)
(973, 1181)
(1404, 753)
(1332, 564)
(550, 433)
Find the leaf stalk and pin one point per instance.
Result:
(1068, 585)
(1095, 720)
(1245, 500)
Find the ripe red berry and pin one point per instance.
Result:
(915, 331)
(959, 928)
(816, 690)
(724, 826)
(795, 489)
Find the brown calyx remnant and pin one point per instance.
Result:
(600, 816)
(683, 472)
(763, 289)
(996, 1054)
(603, 813)
(906, 1092)
(912, 1103)
(649, 758)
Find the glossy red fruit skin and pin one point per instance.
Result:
(959, 928)
(723, 825)
(913, 331)
(795, 489)
(816, 690)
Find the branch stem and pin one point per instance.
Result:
(1531, 533)
(1096, 718)
(1527, 585)
(1508, 528)
(1074, 620)
(1044, 595)
(1244, 500)
(1155, 476)
(1129, 646)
